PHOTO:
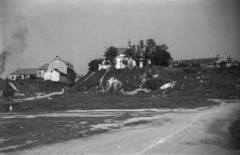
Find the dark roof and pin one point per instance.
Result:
(61, 73)
(121, 50)
(44, 67)
(201, 61)
(25, 71)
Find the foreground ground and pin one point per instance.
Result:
(204, 131)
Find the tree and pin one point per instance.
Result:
(161, 57)
(110, 56)
(93, 65)
(135, 54)
(150, 47)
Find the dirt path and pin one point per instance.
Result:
(199, 132)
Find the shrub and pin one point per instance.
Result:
(190, 70)
(8, 91)
(152, 84)
(129, 87)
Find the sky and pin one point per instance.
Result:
(34, 32)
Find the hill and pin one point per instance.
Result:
(210, 82)
(152, 87)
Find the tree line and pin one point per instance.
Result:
(148, 53)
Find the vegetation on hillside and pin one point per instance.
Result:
(210, 82)
(109, 89)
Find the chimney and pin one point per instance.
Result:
(217, 56)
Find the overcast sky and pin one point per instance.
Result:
(36, 31)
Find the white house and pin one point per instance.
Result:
(61, 65)
(55, 75)
(23, 73)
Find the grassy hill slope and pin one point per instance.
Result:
(210, 83)
(135, 88)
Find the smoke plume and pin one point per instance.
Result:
(3, 57)
(17, 43)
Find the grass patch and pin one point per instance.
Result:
(22, 133)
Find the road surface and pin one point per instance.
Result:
(199, 132)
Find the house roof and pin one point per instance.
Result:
(121, 50)
(57, 58)
(202, 61)
(44, 67)
(25, 71)
(61, 73)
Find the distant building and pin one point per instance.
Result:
(65, 68)
(56, 70)
(119, 59)
(209, 62)
(228, 62)
(23, 73)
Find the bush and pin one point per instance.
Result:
(129, 87)
(152, 84)
(190, 70)
(8, 91)
(33, 77)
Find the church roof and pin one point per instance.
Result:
(121, 50)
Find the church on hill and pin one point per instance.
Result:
(120, 58)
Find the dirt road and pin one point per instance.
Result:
(199, 132)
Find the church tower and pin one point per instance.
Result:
(129, 44)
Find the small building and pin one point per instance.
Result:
(41, 70)
(228, 62)
(62, 66)
(23, 73)
(204, 62)
(55, 75)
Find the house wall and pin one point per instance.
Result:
(63, 78)
(52, 75)
(58, 64)
(40, 73)
(119, 63)
(14, 77)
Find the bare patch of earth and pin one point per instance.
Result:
(19, 131)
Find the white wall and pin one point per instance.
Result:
(52, 75)
(58, 64)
